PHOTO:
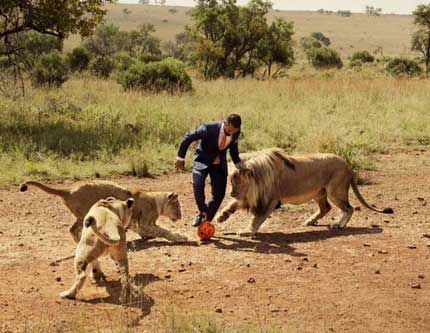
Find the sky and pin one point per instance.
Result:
(388, 6)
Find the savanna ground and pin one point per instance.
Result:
(373, 276)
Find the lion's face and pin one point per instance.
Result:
(172, 209)
(240, 180)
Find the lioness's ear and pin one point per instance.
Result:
(172, 196)
(130, 202)
(89, 221)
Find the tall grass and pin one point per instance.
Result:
(91, 127)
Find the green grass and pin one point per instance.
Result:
(92, 127)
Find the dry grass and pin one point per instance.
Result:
(91, 127)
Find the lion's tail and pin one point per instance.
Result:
(60, 192)
(386, 210)
(110, 240)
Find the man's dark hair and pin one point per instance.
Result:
(234, 120)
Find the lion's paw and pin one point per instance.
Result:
(67, 294)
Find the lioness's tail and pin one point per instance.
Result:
(110, 240)
(60, 192)
(364, 203)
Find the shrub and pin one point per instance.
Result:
(79, 59)
(403, 66)
(50, 69)
(168, 75)
(123, 61)
(357, 63)
(363, 56)
(101, 66)
(325, 57)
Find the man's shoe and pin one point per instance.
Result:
(200, 218)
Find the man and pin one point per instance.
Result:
(210, 159)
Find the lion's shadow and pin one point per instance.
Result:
(142, 244)
(280, 243)
(143, 302)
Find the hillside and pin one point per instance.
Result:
(391, 32)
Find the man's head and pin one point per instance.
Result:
(232, 124)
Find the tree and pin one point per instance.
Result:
(421, 38)
(51, 17)
(229, 39)
(277, 46)
(314, 41)
(372, 11)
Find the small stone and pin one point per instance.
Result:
(358, 208)
(287, 260)
(377, 271)
(21, 244)
(315, 265)
(218, 310)
(182, 270)
(421, 276)
(305, 259)
(58, 279)
(382, 251)
(426, 235)
(251, 280)
(412, 247)
(421, 199)
(416, 286)
(299, 268)
(387, 221)
(366, 244)
(275, 310)
(168, 276)
(248, 265)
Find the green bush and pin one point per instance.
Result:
(403, 67)
(51, 69)
(123, 61)
(101, 66)
(79, 59)
(363, 56)
(356, 63)
(166, 75)
(325, 57)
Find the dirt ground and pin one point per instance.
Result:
(374, 276)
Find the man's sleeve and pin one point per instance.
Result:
(234, 152)
(198, 134)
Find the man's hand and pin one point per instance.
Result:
(239, 165)
(180, 165)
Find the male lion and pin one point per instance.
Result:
(104, 234)
(273, 176)
(80, 196)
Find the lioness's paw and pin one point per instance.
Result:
(310, 222)
(67, 294)
(221, 218)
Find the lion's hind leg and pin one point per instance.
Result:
(76, 230)
(323, 208)
(80, 267)
(339, 197)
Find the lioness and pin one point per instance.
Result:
(80, 196)
(273, 175)
(104, 234)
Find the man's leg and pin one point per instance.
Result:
(199, 178)
(219, 184)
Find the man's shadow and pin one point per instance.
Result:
(279, 243)
(142, 302)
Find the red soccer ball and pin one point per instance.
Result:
(206, 230)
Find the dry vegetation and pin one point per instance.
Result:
(348, 34)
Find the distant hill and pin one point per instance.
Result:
(348, 34)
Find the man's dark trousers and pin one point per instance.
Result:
(218, 182)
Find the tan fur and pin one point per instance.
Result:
(103, 234)
(80, 196)
(274, 176)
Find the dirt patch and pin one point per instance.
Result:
(372, 276)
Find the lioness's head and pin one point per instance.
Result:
(172, 207)
(123, 209)
(240, 182)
